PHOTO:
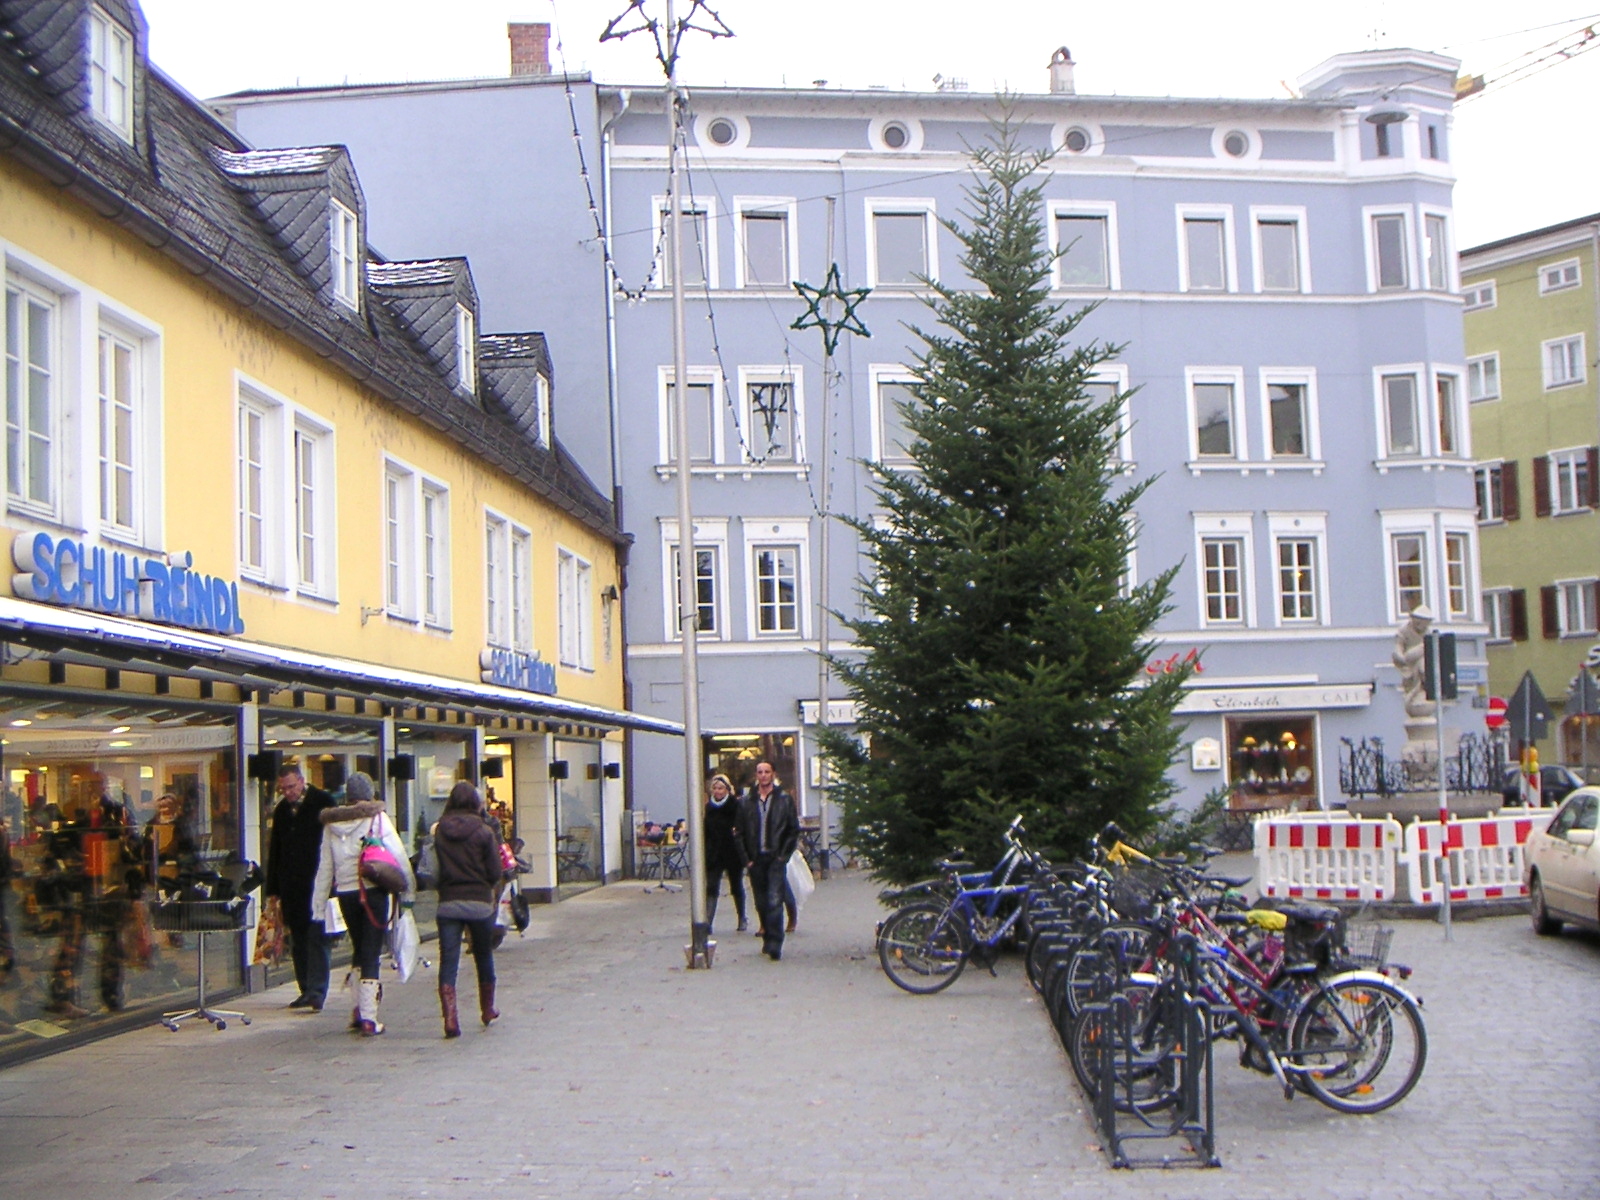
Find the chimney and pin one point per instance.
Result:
(530, 48)
(1061, 65)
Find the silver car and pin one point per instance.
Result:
(1563, 866)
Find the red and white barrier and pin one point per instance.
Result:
(1318, 856)
(1485, 854)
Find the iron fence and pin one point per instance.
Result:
(1365, 770)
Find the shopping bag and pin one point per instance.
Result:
(139, 938)
(269, 934)
(403, 943)
(333, 921)
(800, 881)
(427, 868)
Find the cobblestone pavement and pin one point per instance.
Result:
(616, 1073)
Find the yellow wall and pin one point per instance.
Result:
(207, 338)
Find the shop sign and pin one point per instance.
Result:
(1213, 700)
(514, 669)
(168, 590)
(1175, 663)
(840, 712)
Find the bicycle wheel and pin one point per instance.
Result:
(1113, 949)
(1145, 1070)
(923, 947)
(1360, 1045)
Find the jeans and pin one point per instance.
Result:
(308, 947)
(768, 875)
(482, 933)
(366, 939)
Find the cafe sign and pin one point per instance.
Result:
(1301, 696)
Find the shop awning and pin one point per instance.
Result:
(118, 643)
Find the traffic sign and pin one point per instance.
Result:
(1528, 712)
(1495, 718)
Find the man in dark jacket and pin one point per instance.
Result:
(769, 831)
(291, 871)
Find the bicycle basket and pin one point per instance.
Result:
(1367, 946)
(1136, 890)
(1314, 938)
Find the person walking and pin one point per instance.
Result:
(366, 908)
(468, 853)
(723, 856)
(769, 831)
(292, 855)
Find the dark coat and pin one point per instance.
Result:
(783, 825)
(469, 857)
(293, 851)
(722, 838)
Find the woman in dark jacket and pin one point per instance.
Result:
(722, 850)
(469, 871)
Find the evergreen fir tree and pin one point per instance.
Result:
(1000, 658)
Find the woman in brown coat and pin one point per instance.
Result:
(469, 871)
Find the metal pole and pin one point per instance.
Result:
(1435, 651)
(699, 949)
(824, 672)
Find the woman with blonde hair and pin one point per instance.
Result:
(722, 850)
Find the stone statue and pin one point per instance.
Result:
(1421, 748)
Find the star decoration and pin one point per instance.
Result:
(813, 317)
(647, 24)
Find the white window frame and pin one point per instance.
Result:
(1234, 377)
(690, 206)
(261, 471)
(764, 533)
(709, 534)
(1230, 255)
(794, 377)
(145, 340)
(1370, 215)
(111, 72)
(466, 350)
(344, 259)
(1393, 532)
(1432, 526)
(1572, 361)
(1461, 424)
(787, 208)
(407, 492)
(433, 563)
(574, 610)
(1116, 375)
(1305, 377)
(1229, 526)
(878, 375)
(709, 376)
(1445, 278)
(1478, 296)
(496, 579)
(1458, 576)
(1481, 370)
(318, 578)
(1423, 409)
(1576, 619)
(63, 372)
(521, 592)
(281, 420)
(1563, 465)
(1488, 482)
(1280, 215)
(925, 207)
(1106, 212)
(541, 401)
(1559, 276)
(1497, 614)
(1301, 527)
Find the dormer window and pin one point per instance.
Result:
(345, 257)
(466, 359)
(542, 401)
(111, 73)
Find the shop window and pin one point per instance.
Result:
(1272, 761)
(736, 755)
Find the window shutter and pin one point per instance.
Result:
(1549, 615)
(1519, 615)
(1594, 477)
(1541, 486)
(1510, 492)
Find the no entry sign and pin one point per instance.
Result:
(1495, 718)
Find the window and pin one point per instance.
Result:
(1563, 361)
(1498, 615)
(1216, 424)
(704, 429)
(1570, 482)
(1286, 411)
(1104, 387)
(541, 400)
(1084, 241)
(1489, 487)
(1457, 575)
(699, 247)
(1206, 252)
(1575, 606)
(771, 421)
(521, 589)
(496, 580)
(110, 73)
(1408, 564)
(1431, 149)
(1447, 393)
(1483, 377)
(1280, 250)
(1390, 251)
(307, 506)
(255, 469)
(766, 242)
(1479, 295)
(466, 350)
(706, 589)
(1559, 276)
(892, 395)
(1224, 586)
(416, 546)
(575, 610)
(1385, 147)
(901, 248)
(1436, 251)
(776, 571)
(344, 236)
(435, 554)
(1401, 425)
(33, 371)
(118, 398)
(1297, 578)
(397, 542)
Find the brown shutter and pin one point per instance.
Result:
(1593, 499)
(1519, 615)
(1541, 486)
(1510, 492)
(1549, 614)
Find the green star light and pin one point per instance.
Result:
(813, 317)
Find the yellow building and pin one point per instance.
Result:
(269, 499)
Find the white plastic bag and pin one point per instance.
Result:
(403, 943)
(800, 881)
(333, 917)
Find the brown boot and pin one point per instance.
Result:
(486, 1009)
(447, 1005)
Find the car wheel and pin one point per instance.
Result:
(1543, 923)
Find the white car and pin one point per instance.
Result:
(1563, 866)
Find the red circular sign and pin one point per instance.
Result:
(1496, 716)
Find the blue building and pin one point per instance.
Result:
(1281, 273)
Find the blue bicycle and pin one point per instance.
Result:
(925, 945)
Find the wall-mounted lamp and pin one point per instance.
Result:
(610, 594)
(368, 613)
(1386, 114)
(558, 768)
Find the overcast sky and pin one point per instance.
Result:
(1525, 151)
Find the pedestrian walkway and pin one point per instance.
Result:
(616, 1073)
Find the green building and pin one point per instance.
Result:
(1532, 302)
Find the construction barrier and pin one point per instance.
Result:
(1324, 856)
(1485, 855)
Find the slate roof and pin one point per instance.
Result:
(238, 218)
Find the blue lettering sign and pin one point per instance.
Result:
(514, 669)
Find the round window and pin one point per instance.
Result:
(722, 132)
(1076, 141)
(1237, 144)
(896, 136)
